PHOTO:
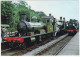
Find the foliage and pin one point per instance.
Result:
(10, 12)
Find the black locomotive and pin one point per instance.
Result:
(72, 27)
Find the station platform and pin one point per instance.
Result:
(72, 48)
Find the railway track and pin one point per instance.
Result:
(56, 48)
(27, 50)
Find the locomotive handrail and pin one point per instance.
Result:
(36, 35)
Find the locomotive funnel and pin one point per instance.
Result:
(23, 16)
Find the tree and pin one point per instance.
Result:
(41, 14)
(23, 3)
(6, 12)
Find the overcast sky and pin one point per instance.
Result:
(67, 9)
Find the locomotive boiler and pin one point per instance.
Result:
(23, 27)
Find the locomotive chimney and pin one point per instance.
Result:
(23, 16)
(49, 14)
(60, 18)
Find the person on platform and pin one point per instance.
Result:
(2, 32)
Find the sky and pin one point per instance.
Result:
(67, 9)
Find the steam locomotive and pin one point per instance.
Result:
(35, 31)
(73, 26)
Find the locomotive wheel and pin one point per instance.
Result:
(43, 37)
(23, 45)
(37, 39)
(11, 46)
(51, 34)
(75, 32)
(69, 34)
